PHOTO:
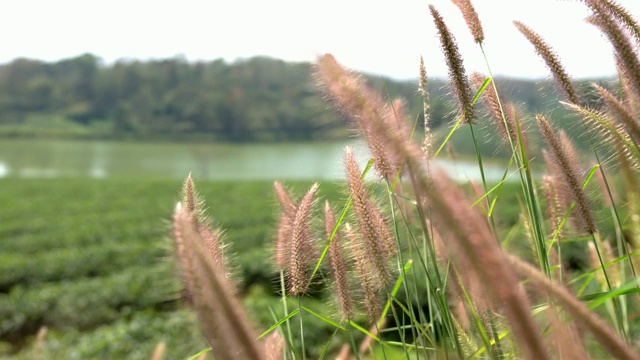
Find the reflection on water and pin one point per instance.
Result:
(99, 159)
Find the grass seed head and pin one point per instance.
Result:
(624, 47)
(283, 232)
(457, 73)
(552, 60)
(564, 157)
(338, 265)
(471, 18)
(301, 245)
(370, 282)
(371, 224)
(621, 112)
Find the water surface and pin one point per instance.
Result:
(99, 159)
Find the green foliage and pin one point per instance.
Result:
(84, 303)
(257, 99)
(130, 337)
(86, 259)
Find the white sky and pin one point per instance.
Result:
(381, 37)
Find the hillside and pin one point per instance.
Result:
(257, 99)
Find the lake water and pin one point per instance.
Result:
(99, 159)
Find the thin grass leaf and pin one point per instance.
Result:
(457, 125)
(495, 188)
(362, 330)
(446, 139)
(483, 349)
(484, 85)
(413, 319)
(276, 325)
(323, 318)
(200, 353)
(601, 298)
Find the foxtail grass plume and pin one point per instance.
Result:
(457, 74)
(632, 186)
(555, 179)
(273, 346)
(470, 241)
(224, 322)
(554, 209)
(39, 343)
(569, 346)
(338, 265)
(610, 132)
(624, 48)
(631, 98)
(580, 312)
(370, 283)
(623, 16)
(284, 225)
(621, 112)
(181, 252)
(301, 244)
(502, 119)
(349, 93)
(158, 352)
(618, 13)
(471, 18)
(468, 234)
(367, 109)
(552, 60)
(427, 144)
(566, 161)
(190, 198)
(212, 237)
(379, 243)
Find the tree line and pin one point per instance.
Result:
(256, 99)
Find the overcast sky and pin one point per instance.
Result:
(381, 37)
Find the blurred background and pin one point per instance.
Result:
(105, 108)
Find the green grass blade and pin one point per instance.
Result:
(325, 319)
(202, 352)
(363, 330)
(276, 325)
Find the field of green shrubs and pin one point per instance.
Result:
(91, 260)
